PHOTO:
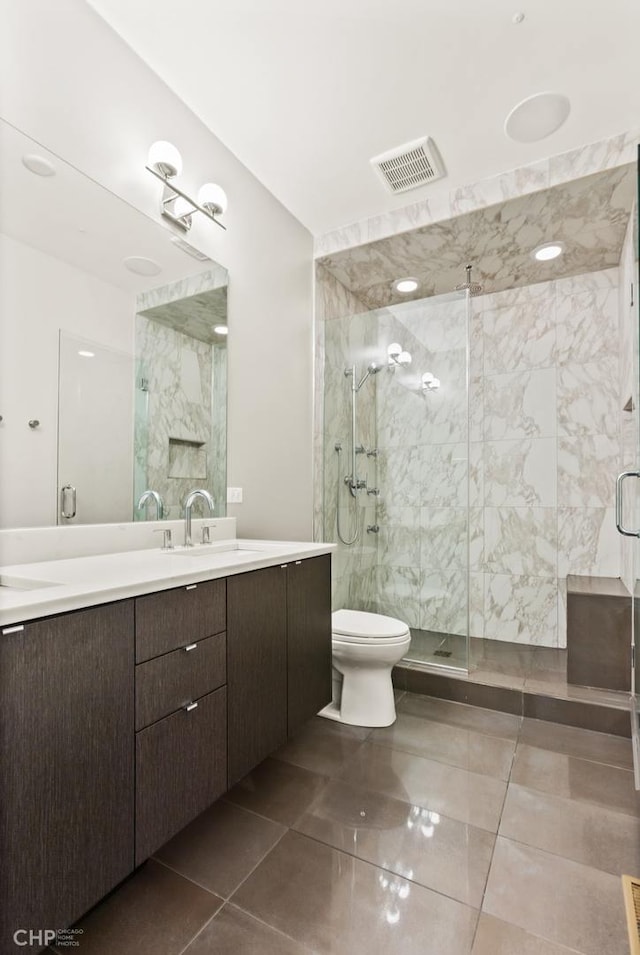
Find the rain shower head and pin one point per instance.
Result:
(473, 288)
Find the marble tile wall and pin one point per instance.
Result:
(523, 477)
(175, 416)
(345, 335)
(629, 375)
(545, 363)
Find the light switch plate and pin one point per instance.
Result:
(234, 495)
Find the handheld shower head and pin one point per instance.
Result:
(374, 368)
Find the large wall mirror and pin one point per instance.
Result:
(113, 333)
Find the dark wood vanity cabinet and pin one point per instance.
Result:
(67, 766)
(256, 667)
(308, 639)
(278, 656)
(181, 709)
(121, 723)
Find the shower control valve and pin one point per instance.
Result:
(373, 490)
(372, 528)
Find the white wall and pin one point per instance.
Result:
(71, 83)
(39, 295)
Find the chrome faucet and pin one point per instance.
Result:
(188, 504)
(152, 496)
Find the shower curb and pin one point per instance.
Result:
(598, 716)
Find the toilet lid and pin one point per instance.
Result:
(359, 626)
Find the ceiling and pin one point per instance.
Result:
(589, 216)
(304, 95)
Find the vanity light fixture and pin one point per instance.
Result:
(221, 329)
(548, 251)
(405, 286)
(165, 163)
(429, 382)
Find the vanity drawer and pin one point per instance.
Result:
(181, 768)
(174, 618)
(166, 683)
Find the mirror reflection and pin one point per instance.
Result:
(113, 339)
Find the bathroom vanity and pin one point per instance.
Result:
(128, 706)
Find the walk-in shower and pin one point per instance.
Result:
(399, 509)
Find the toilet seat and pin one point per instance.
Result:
(359, 626)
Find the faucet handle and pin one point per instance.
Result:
(206, 533)
(167, 543)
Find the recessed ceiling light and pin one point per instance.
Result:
(38, 165)
(406, 285)
(536, 117)
(141, 266)
(221, 329)
(548, 251)
(87, 354)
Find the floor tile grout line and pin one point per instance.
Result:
(584, 759)
(382, 868)
(202, 928)
(187, 878)
(441, 762)
(495, 842)
(273, 928)
(260, 861)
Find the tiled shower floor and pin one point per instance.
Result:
(516, 666)
(458, 831)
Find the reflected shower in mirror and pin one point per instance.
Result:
(83, 271)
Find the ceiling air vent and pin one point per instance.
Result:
(409, 166)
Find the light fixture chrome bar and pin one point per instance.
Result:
(178, 192)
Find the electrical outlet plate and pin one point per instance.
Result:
(234, 495)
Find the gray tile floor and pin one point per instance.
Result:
(458, 831)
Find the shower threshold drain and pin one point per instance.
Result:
(631, 890)
(442, 653)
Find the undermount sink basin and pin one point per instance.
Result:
(9, 582)
(225, 553)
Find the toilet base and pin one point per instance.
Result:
(366, 699)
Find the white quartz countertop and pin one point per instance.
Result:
(29, 591)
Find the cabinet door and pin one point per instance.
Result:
(181, 768)
(308, 638)
(66, 757)
(256, 667)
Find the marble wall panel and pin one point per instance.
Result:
(521, 541)
(521, 609)
(443, 596)
(587, 469)
(589, 397)
(520, 472)
(520, 337)
(443, 538)
(520, 404)
(587, 317)
(589, 541)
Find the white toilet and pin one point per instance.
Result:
(365, 648)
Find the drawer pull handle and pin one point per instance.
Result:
(8, 630)
(190, 706)
(298, 562)
(190, 646)
(191, 587)
(282, 566)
